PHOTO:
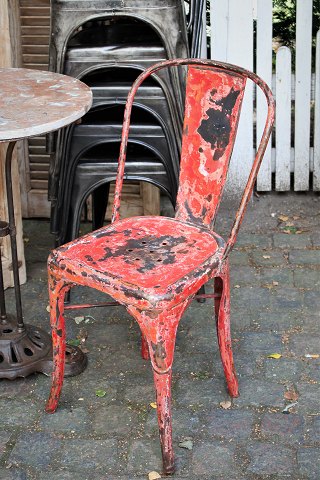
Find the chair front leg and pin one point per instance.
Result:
(222, 311)
(162, 383)
(159, 329)
(57, 291)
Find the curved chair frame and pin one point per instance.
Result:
(154, 266)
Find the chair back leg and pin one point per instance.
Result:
(57, 291)
(222, 313)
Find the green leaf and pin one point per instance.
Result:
(290, 230)
(74, 342)
(101, 393)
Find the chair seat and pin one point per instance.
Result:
(150, 256)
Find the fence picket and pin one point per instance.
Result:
(237, 33)
(302, 99)
(264, 69)
(283, 119)
(219, 19)
(204, 53)
(232, 41)
(316, 149)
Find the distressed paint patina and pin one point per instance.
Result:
(154, 266)
(213, 101)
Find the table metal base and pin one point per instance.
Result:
(30, 350)
(25, 349)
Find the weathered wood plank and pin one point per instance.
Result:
(35, 40)
(219, 19)
(37, 21)
(30, 3)
(264, 69)
(150, 199)
(37, 184)
(302, 101)
(35, 50)
(37, 11)
(283, 119)
(316, 155)
(38, 205)
(35, 58)
(235, 45)
(41, 30)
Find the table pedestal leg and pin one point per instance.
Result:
(25, 349)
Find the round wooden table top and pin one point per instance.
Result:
(33, 102)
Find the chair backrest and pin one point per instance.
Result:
(214, 93)
(212, 110)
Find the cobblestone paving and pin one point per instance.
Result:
(275, 309)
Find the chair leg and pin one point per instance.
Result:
(144, 347)
(159, 329)
(162, 383)
(222, 312)
(57, 291)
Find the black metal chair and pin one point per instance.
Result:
(104, 125)
(94, 172)
(90, 38)
(165, 17)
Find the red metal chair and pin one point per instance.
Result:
(154, 266)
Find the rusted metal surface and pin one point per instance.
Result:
(154, 266)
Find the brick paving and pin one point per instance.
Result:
(275, 309)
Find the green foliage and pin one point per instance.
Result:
(284, 20)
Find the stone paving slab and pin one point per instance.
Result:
(275, 309)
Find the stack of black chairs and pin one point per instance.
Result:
(107, 43)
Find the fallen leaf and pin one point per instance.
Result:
(266, 256)
(26, 239)
(291, 395)
(289, 224)
(74, 342)
(153, 405)
(270, 285)
(274, 355)
(237, 286)
(187, 444)
(288, 407)
(290, 230)
(79, 319)
(283, 218)
(101, 393)
(312, 355)
(225, 404)
(153, 476)
(275, 283)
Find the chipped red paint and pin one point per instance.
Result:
(209, 133)
(154, 266)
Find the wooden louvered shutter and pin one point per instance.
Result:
(35, 32)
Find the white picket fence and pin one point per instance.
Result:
(232, 40)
